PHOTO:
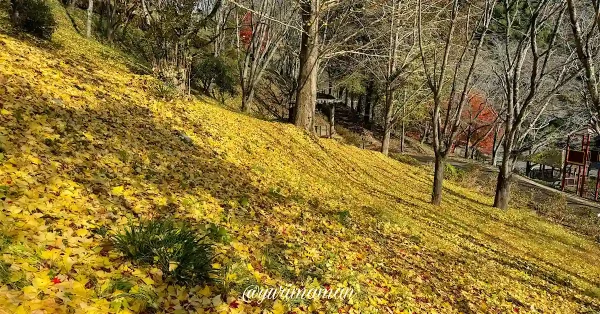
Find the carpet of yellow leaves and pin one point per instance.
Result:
(86, 147)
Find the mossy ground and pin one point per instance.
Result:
(87, 148)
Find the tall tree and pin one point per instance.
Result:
(460, 55)
(262, 33)
(531, 71)
(306, 94)
(584, 18)
(400, 67)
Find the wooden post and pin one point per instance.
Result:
(586, 151)
(597, 185)
(564, 170)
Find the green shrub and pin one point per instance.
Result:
(452, 173)
(178, 251)
(34, 17)
(214, 71)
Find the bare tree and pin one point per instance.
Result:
(460, 54)
(585, 27)
(532, 70)
(400, 67)
(262, 36)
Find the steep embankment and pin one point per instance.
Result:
(87, 148)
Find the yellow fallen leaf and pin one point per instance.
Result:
(82, 232)
(117, 190)
(278, 307)
(216, 301)
(148, 280)
(205, 291)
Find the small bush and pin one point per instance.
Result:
(452, 173)
(34, 17)
(214, 71)
(178, 251)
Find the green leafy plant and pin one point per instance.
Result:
(176, 249)
(453, 173)
(166, 91)
(218, 233)
(34, 17)
(214, 71)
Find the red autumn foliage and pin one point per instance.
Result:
(246, 29)
(477, 121)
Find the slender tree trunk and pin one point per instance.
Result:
(306, 96)
(332, 120)
(502, 196)
(467, 145)
(402, 136)
(368, 104)
(403, 130)
(425, 132)
(495, 147)
(14, 4)
(88, 25)
(387, 127)
(360, 106)
(438, 180)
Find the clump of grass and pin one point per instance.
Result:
(183, 255)
(165, 91)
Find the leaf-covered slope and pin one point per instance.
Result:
(87, 148)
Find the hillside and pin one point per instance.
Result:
(87, 147)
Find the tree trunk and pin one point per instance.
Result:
(331, 120)
(360, 106)
(425, 133)
(403, 129)
(438, 180)
(247, 100)
(502, 190)
(387, 127)
(88, 25)
(368, 103)
(14, 6)
(504, 176)
(306, 96)
(467, 145)
(402, 136)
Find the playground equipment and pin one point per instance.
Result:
(576, 165)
